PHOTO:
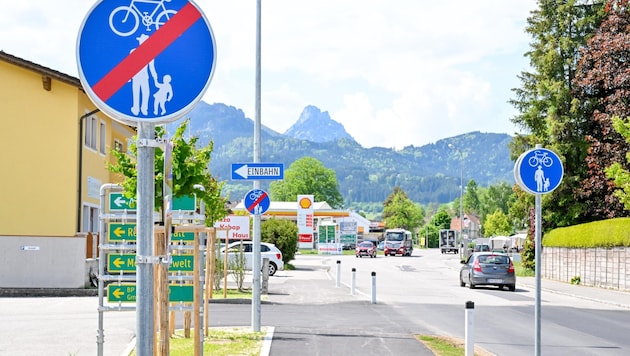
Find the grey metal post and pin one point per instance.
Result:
(469, 329)
(144, 259)
(353, 281)
(338, 279)
(257, 155)
(373, 287)
(537, 251)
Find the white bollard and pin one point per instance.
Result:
(469, 329)
(338, 282)
(353, 281)
(373, 287)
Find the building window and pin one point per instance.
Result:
(103, 131)
(91, 129)
(118, 146)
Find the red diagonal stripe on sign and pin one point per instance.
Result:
(146, 52)
(257, 201)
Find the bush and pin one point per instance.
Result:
(604, 233)
(282, 233)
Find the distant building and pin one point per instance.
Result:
(55, 145)
(471, 226)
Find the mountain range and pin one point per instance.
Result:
(428, 174)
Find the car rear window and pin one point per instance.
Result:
(494, 259)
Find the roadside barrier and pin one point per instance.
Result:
(469, 329)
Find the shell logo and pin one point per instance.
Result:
(305, 203)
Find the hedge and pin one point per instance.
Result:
(604, 233)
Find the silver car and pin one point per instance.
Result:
(488, 269)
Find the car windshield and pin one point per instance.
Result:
(365, 244)
(494, 259)
(394, 236)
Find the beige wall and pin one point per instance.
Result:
(39, 160)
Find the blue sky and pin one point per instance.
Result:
(394, 73)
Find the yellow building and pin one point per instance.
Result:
(55, 145)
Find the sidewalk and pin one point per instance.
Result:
(601, 295)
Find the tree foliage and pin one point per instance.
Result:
(472, 204)
(603, 87)
(616, 172)
(546, 106)
(307, 175)
(400, 211)
(189, 168)
(283, 234)
(497, 224)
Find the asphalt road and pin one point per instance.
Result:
(312, 316)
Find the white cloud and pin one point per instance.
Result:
(394, 73)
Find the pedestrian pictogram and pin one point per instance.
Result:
(538, 171)
(145, 60)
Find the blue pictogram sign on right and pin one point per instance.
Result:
(538, 171)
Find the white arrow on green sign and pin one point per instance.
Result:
(117, 201)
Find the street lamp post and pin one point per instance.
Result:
(461, 195)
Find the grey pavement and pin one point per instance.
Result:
(52, 325)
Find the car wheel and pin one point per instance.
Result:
(470, 285)
(512, 287)
(461, 282)
(272, 268)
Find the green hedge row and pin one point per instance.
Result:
(605, 233)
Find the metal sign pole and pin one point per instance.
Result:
(538, 251)
(257, 157)
(144, 258)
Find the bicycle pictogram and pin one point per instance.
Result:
(254, 195)
(540, 158)
(124, 20)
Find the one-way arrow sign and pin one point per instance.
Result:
(257, 171)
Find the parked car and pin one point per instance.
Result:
(365, 248)
(488, 269)
(267, 250)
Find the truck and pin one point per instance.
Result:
(448, 241)
(397, 242)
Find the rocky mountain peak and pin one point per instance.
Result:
(317, 126)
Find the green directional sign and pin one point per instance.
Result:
(183, 236)
(185, 203)
(119, 232)
(125, 263)
(126, 293)
(117, 201)
(181, 293)
(183, 263)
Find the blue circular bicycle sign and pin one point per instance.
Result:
(538, 171)
(145, 60)
(257, 201)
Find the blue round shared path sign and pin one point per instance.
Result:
(538, 171)
(257, 201)
(145, 61)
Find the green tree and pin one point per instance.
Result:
(616, 172)
(497, 196)
(497, 224)
(283, 234)
(471, 198)
(307, 175)
(547, 110)
(400, 211)
(190, 168)
(601, 85)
